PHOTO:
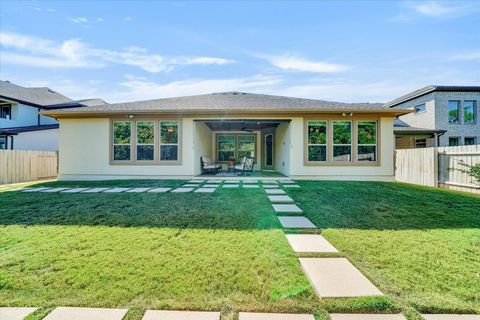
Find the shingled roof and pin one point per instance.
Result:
(38, 97)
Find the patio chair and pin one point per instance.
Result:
(209, 166)
(245, 165)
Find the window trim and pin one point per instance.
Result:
(474, 111)
(235, 135)
(146, 144)
(159, 123)
(327, 151)
(459, 112)
(367, 144)
(113, 144)
(420, 105)
(6, 106)
(342, 144)
(459, 139)
(469, 137)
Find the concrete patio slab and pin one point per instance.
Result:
(117, 190)
(274, 316)
(280, 199)
(345, 316)
(296, 222)
(159, 190)
(337, 277)
(451, 316)
(35, 189)
(310, 243)
(54, 190)
(182, 190)
(12, 313)
(180, 315)
(230, 186)
(251, 186)
(74, 190)
(291, 186)
(205, 190)
(292, 208)
(275, 191)
(138, 190)
(71, 313)
(95, 190)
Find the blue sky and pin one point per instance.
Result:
(343, 51)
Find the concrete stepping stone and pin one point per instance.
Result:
(291, 186)
(286, 181)
(232, 181)
(337, 277)
(296, 222)
(196, 181)
(251, 186)
(275, 191)
(291, 208)
(345, 316)
(205, 190)
(451, 316)
(117, 190)
(215, 181)
(280, 199)
(13, 313)
(182, 190)
(250, 181)
(138, 190)
(71, 313)
(74, 190)
(35, 189)
(230, 186)
(310, 243)
(274, 316)
(95, 190)
(54, 190)
(159, 190)
(190, 185)
(180, 315)
(270, 186)
(210, 186)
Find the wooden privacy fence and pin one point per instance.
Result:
(21, 165)
(438, 167)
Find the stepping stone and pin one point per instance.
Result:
(55, 190)
(12, 313)
(70, 313)
(196, 181)
(286, 181)
(310, 243)
(190, 185)
(293, 208)
(230, 186)
(291, 186)
(250, 181)
(214, 181)
(275, 191)
(117, 190)
(451, 316)
(280, 199)
(138, 190)
(251, 186)
(74, 190)
(232, 181)
(180, 315)
(337, 277)
(345, 316)
(274, 316)
(205, 190)
(270, 186)
(95, 190)
(36, 189)
(210, 186)
(296, 222)
(159, 190)
(182, 190)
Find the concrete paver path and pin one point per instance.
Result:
(74, 190)
(251, 186)
(205, 190)
(274, 316)
(55, 190)
(70, 313)
(344, 316)
(280, 199)
(13, 313)
(291, 208)
(117, 190)
(296, 222)
(337, 277)
(451, 316)
(138, 190)
(230, 186)
(95, 190)
(291, 186)
(310, 243)
(159, 190)
(35, 189)
(182, 190)
(180, 315)
(275, 191)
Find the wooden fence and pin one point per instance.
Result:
(438, 167)
(20, 165)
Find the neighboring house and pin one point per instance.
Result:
(166, 137)
(21, 125)
(442, 116)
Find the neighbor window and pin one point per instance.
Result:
(453, 111)
(235, 146)
(342, 141)
(453, 141)
(317, 140)
(3, 142)
(6, 112)
(367, 141)
(122, 131)
(168, 141)
(421, 143)
(421, 108)
(145, 140)
(469, 109)
(469, 141)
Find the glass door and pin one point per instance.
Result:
(268, 152)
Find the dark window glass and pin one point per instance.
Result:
(269, 150)
(421, 108)
(121, 152)
(225, 147)
(169, 152)
(317, 153)
(246, 146)
(6, 112)
(169, 140)
(121, 140)
(145, 140)
(317, 141)
(342, 153)
(145, 152)
(367, 153)
(453, 111)
(469, 108)
(342, 140)
(469, 141)
(3, 143)
(453, 141)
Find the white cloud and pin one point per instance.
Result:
(413, 10)
(79, 20)
(433, 8)
(293, 63)
(205, 60)
(470, 55)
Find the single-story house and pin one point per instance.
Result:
(165, 138)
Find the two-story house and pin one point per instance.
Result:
(442, 116)
(21, 125)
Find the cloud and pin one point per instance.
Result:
(293, 63)
(38, 52)
(433, 8)
(470, 55)
(79, 20)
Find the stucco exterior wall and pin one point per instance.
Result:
(22, 115)
(282, 149)
(44, 140)
(202, 144)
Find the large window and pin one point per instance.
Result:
(122, 131)
(367, 141)
(469, 109)
(235, 146)
(453, 111)
(342, 141)
(6, 112)
(145, 140)
(317, 140)
(168, 141)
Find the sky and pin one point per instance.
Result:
(350, 51)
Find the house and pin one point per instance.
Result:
(442, 116)
(21, 125)
(166, 137)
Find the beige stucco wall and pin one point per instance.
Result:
(282, 149)
(202, 144)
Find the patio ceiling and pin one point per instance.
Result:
(242, 125)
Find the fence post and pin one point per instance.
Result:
(435, 166)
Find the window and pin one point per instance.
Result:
(122, 131)
(421, 108)
(367, 141)
(235, 146)
(246, 146)
(225, 147)
(453, 111)
(168, 141)
(6, 112)
(342, 141)
(145, 140)
(421, 143)
(3, 142)
(470, 141)
(317, 140)
(453, 141)
(469, 109)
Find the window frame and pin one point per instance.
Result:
(113, 144)
(2, 112)
(327, 135)
(235, 152)
(459, 111)
(469, 137)
(366, 144)
(474, 112)
(342, 144)
(160, 144)
(459, 141)
(422, 111)
(146, 144)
